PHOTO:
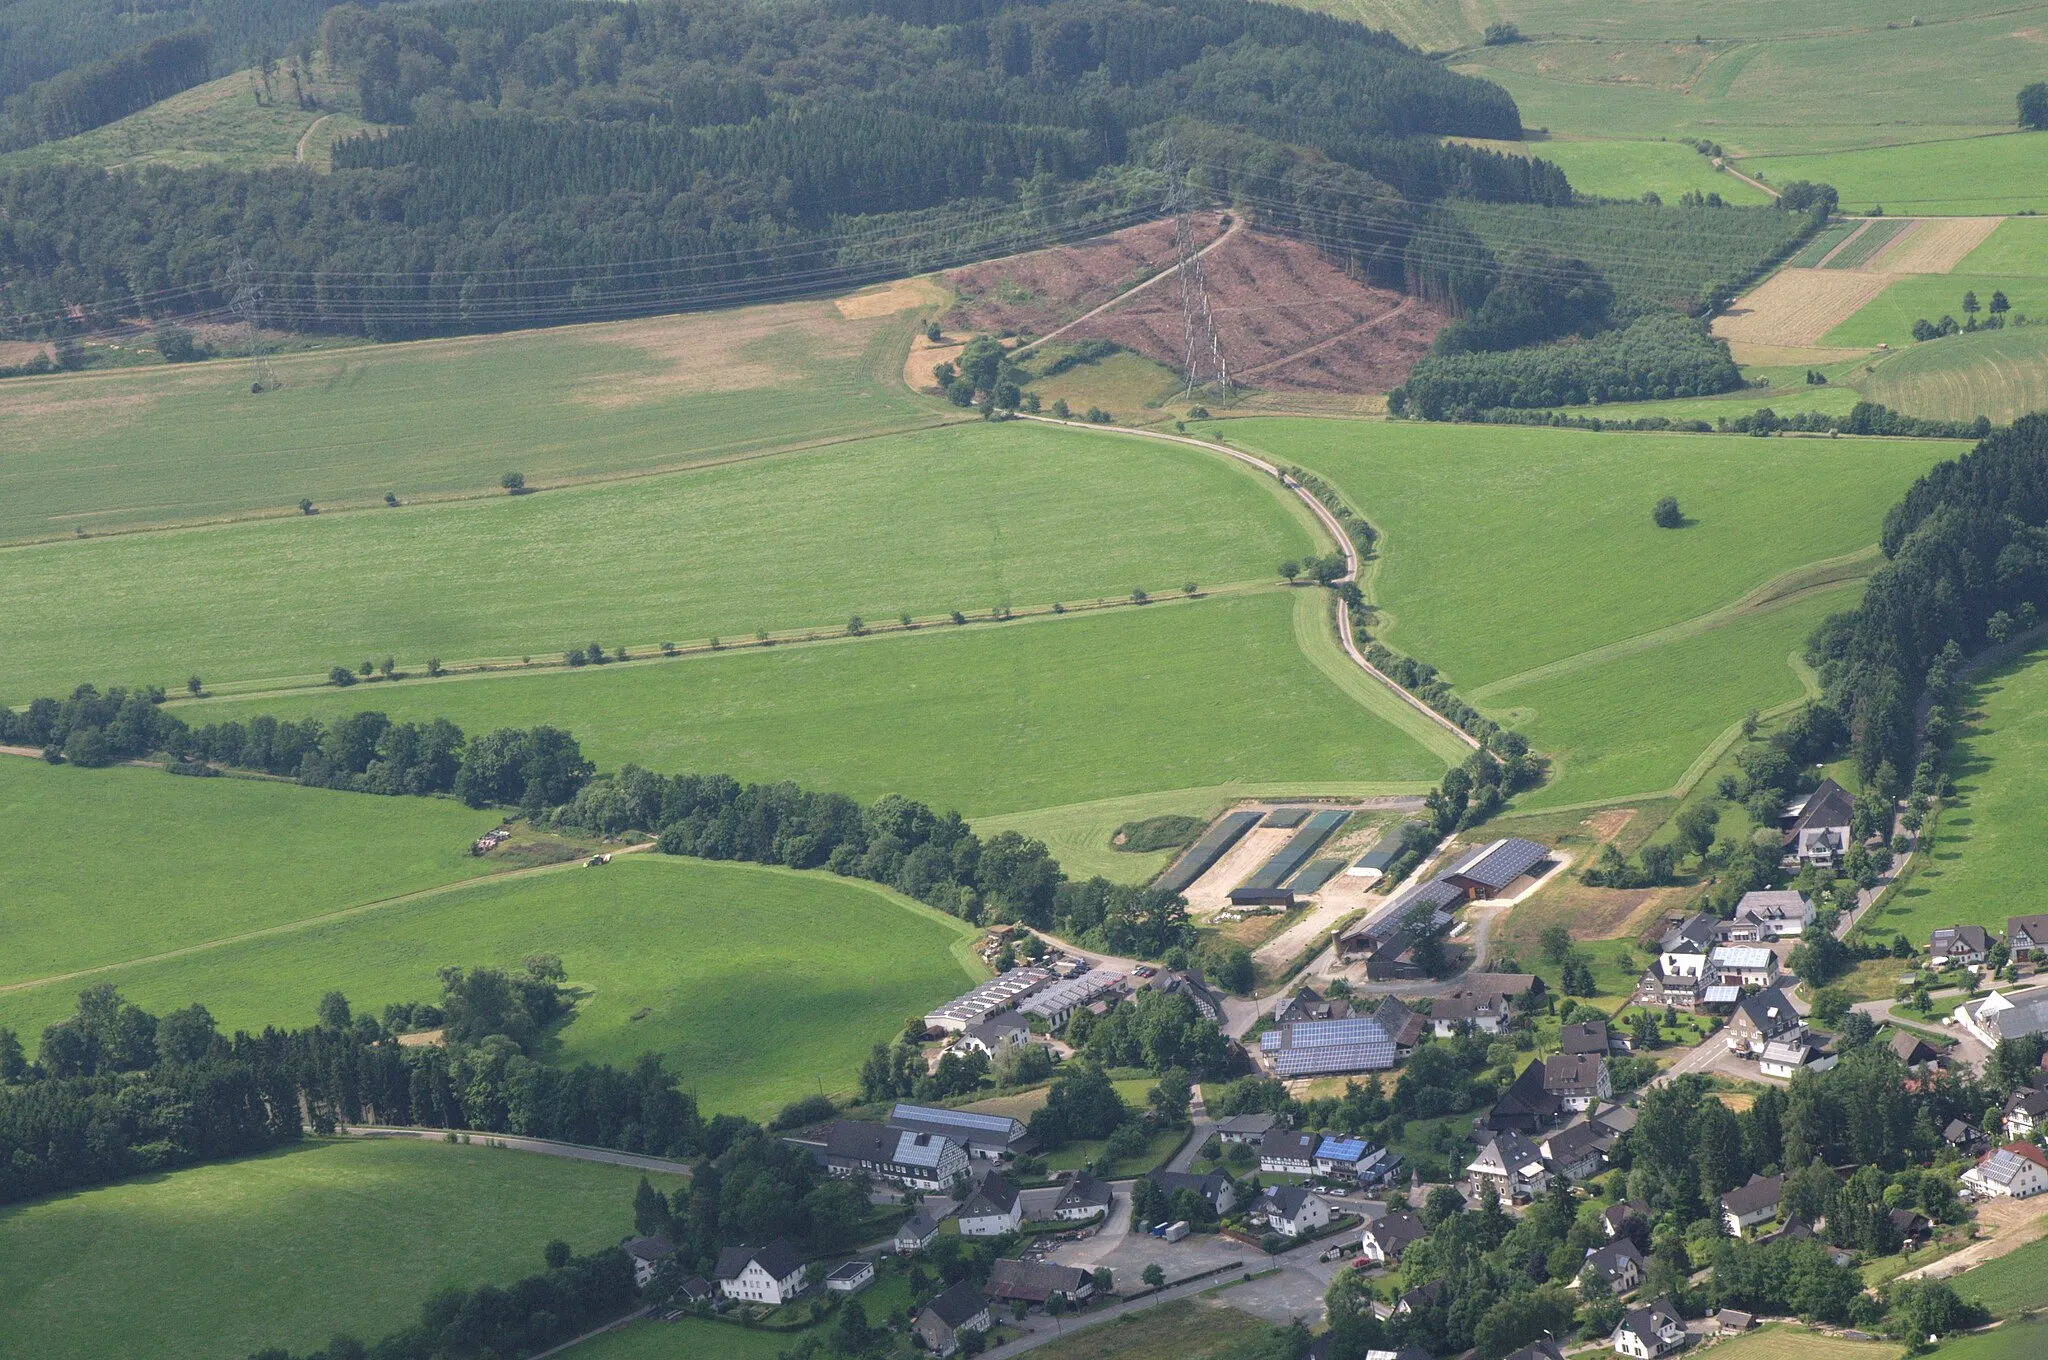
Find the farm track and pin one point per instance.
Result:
(1370, 323)
(1236, 225)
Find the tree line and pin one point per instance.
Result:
(87, 96)
(1663, 355)
(590, 159)
(1968, 543)
(42, 39)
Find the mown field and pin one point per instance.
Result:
(961, 518)
(289, 1248)
(1888, 318)
(1996, 374)
(172, 444)
(1795, 396)
(1958, 175)
(1796, 1343)
(2015, 1341)
(1630, 169)
(988, 719)
(2013, 1283)
(1988, 855)
(120, 864)
(757, 985)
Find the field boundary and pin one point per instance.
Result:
(517, 1142)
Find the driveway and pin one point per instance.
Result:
(2012, 1223)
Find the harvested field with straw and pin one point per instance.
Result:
(1799, 306)
(1936, 245)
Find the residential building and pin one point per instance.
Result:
(1743, 965)
(1488, 871)
(2026, 1110)
(1586, 1036)
(695, 1290)
(993, 1035)
(1615, 1220)
(2026, 936)
(1345, 1158)
(647, 1254)
(923, 1161)
(1771, 915)
(1056, 1003)
(1821, 825)
(1291, 1210)
(1527, 1106)
(1575, 1151)
(1510, 1166)
(773, 1274)
(1286, 1152)
(950, 1316)
(1782, 1057)
(850, 1277)
(1761, 1018)
(1649, 1332)
(1462, 1010)
(1084, 1197)
(1578, 1079)
(1188, 983)
(1326, 1047)
(916, 1233)
(1959, 1134)
(2002, 1016)
(1308, 1004)
(1214, 1187)
(983, 1135)
(1037, 1281)
(1247, 1128)
(1539, 1350)
(1911, 1050)
(992, 1209)
(1958, 945)
(1748, 1205)
(999, 994)
(2017, 1170)
(1402, 1025)
(1420, 1297)
(1617, 1264)
(1387, 1236)
(1683, 951)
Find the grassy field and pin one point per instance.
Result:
(1956, 177)
(157, 445)
(758, 985)
(1618, 169)
(1635, 724)
(218, 123)
(124, 863)
(2011, 1283)
(296, 1245)
(1833, 399)
(1188, 1329)
(1988, 856)
(1511, 548)
(960, 518)
(2016, 1341)
(1128, 386)
(689, 1339)
(1888, 318)
(1998, 374)
(990, 719)
(1796, 1343)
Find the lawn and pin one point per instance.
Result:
(1187, 1329)
(962, 518)
(1796, 1343)
(163, 444)
(2012, 1283)
(117, 864)
(1888, 318)
(1510, 548)
(1629, 169)
(1997, 374)
(1040, 713)
(288, 1248)
(688, 1339)
(1988, 855)
(1957, 177)
(2015, 1341)
(757, 985)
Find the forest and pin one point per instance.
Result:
(87, 96)
(1967, 556)
(40, 39)
(555, 160)
(1662, 355)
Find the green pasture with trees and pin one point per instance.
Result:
(757, 985)
(964, 518)
(127, 863)
(986, 718)
(1965, 297)
(1957, 172)
(2000, 375)
(291, 1246)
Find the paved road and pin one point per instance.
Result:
(1198, 1135)
(547, 1147)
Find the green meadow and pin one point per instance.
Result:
(135, 862)
(1888, 318)
(1434, 26)
(758, 985)
(99, 452)
(2014, 1341)
(1630, 169)
(1958, 176)
(2013, 1283)
(1988, 855)
(964, 518)
(1996, 374)
(1508, 548)
(990, 718)
(288, 1248)
(1790, 397)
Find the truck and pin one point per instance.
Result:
(1175, 1232)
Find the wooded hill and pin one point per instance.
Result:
(560, 159)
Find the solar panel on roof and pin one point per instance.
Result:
(1342, 1149)
(966, 1119)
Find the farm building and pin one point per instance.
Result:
(1487, 871)
(2006, 1015)
(922, 1161)
(1266, 885)
(1774, 915)
(1201, 857)
(1055, 1004)
(983, 1135)
(1820, 828)
(996, 995)
(1324, 1047)
(772, 1274)
(951, 1315)
(1308, 1004)
(1037, 1281)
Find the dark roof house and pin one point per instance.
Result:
(1587, 1036)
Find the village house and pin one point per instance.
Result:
(950, 1316)
(1291, 1211)
(1215, 1187)
(1085, 1197)
(1769, 915)
(647, 1254)
(1759, 1019)
(1784, 1056)
(1958, 945)
(916, 1233)
(1584, 1036)
(2002, 1016)
(1748, 1205)
(1618, 1265)
(1387, 1236)
(1577, 1080)
(1401, 1024)
(1511, 1166)
(1912, 1051)
(922, 1161)
(1575, 1151)
(2027, 936)
(1287, 1152)
(1743, 965)
(1345, 1158)
(1461, 1011)
(1649, 1332)
(993, 1208)
(1307, 1004)
(988, 1136)
(1247, 1128)
(773, 1274)
(1821, 826)
(2016, 1171)
(1527, 1106)
(1535, 1350)
(991, 1036)
(1035, 1282)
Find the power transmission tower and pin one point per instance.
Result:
(245, 295)
(1203, 360)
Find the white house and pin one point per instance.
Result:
(1284, 1152)
(1744, 965)
(1748, 1205)
(1578, 1080)
(1387, 1236)
(773, 1274)
(1683, 953)
(2025, 1111)
(850, 1277)
(1085, 1197)
(1782, 1057)
(2017, 1170)
(1292, 1211)
(1617, 1264)
(1511, 1165)
(916, 1233)
(993, 1209)
(647, 1253)
(1773, 915)
(1649, 1332)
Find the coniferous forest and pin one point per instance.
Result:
(556, 159)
